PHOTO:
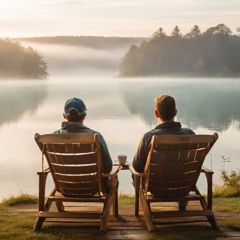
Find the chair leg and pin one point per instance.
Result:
(211, 219)
(182, 205)
(60, 206)
(147, 213)
(115, 205)
(39, 223)
(111, 200)
(213, 222)
(136, 186)
(106, 212)
(115, 201)
(136, 205)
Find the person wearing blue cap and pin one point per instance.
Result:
(75, 114)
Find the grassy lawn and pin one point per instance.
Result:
(226, 204)
(16, 224)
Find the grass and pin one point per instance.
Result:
(22, 198)
(126, 198)
(18, 224)
(226, 205)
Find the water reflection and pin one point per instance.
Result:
(15, 100)
(209, 104)
(122, 110)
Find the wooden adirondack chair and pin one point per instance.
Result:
(171, 172)
(74, 161)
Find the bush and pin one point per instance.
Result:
(231, 185)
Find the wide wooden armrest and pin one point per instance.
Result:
(135, 173)
(44, 171)
(114, 171)
(206, 170)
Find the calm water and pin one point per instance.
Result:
(122, 110)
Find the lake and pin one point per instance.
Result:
(122, 110)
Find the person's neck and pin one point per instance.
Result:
(160, 121)
(79, 122)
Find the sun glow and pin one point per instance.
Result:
(112, 18)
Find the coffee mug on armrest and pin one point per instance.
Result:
(122, 159)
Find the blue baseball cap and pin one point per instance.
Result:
(76, 104)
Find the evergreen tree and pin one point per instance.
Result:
(159, 33)
(195, 32)
(176, 32)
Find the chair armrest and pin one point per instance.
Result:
(135, 173)
(206, 170)
(44, 171)
(114, 171)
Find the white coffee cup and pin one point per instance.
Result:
(122, 159)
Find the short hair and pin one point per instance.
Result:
(74, 117)
(165, 105)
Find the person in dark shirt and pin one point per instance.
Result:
(165, 112)
(75, 114)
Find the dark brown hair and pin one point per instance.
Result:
(165, 105)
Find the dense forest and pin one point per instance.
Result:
(216, 52)
(17, 61)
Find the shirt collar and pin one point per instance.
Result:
(167, 125)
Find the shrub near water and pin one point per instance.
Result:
(231, 185)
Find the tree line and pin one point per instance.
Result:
(215, 52)
(95, 42)
(17, 61)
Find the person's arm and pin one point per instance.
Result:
(140, 157)
(106, 158)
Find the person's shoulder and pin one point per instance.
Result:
(188, 131)
(100, 136)
(148, 135)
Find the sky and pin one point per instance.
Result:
(123, 18)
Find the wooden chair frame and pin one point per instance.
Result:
(75, 178)
(176, 156)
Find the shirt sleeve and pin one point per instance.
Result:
(140, 157)
(106, 158)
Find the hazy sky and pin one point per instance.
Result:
(140, 18)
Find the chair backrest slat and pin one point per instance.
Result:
(77, 158)
(74, 161)
(174, 163)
